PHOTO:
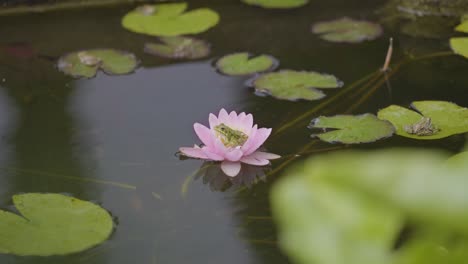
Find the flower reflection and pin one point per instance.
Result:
(212, 174)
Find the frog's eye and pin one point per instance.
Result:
(222, 128)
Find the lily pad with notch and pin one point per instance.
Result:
(169, 20)
(347, 30)
(243, 63)
(52, 224)
(295, 85)
(460, 46)
(279, 4)
(86, 63)
(446, 118)
(179, 48)
(351, 129)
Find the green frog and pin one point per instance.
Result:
(423, 127)
(230, 137)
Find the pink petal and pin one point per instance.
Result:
(213, 120)
(231, 169)
(204, 134)
(255, 161)
(211, 155)
(259, 138)
(219, 147)
(223, 116)
(250, 140)
(234, 155)
(195, 152)
(248, 122)
(264, 155)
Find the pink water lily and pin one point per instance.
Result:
(231, 138)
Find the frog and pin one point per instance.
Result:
(230, 137)
(423, 127)
(146, 10)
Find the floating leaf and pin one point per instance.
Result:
(295, 85)
(179, 48)
(448, 118)
(347, 30)
(52, 224)
(244, 64)
(86, 63)
(353, 129)
(463, 27)
(351, 207)
(461, 159)
(170, 20)
(460, 46)
(277, 3)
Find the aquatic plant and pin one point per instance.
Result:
(347, 30)
(231, 138)
(243, 63)
(179, 48)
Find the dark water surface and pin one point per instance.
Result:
(63, 135)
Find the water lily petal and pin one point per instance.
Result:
(230, 168)
(204, 134)
(219, 147)
(264, 155)
(195, 152)
(211, 155)
(252, 160)
(250, 140)
(234, 155)
(223, 116)
(259, 138)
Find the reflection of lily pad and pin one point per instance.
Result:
(448, 118)
(244, 64)
(170, 20)
(458, 160)
(277, 3)
(52, 224)
(347, 30)
(86, 63)
(460, 46)
(295, 85)
(179, 48)
(353, 129)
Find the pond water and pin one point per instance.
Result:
(113, 139)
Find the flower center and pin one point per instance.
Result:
(230, 137)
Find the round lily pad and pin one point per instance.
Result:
(277, 3)
(460, 46)
(245, 64)
(347, 30)
(463, 27)
(351, 129)
(179, 48)
(295, 85)
(87, 62)
(52, 224)
(446, 118)
(169, 20)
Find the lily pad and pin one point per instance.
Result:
(86, 63)
(52, 224)
(351, 129)
(448, 118)
(244, 64)
(460, 46)
(463, 27)
(179, 48)
(170, 20)
(277, 3)
(295, 85)
(347, 30)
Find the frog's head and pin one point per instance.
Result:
(223, 130)
(230, 137)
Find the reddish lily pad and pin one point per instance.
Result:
(347, 30)
(179, 48)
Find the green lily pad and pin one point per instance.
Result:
(179, 48)
(460, 46)
(52, 224)
(463, 27)
(458, 160)
(244, 64)
(350, 129)
(448, 118)
(170, 20)
(295, 85)
(347, 30)
(277, 3)
(86, 63)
